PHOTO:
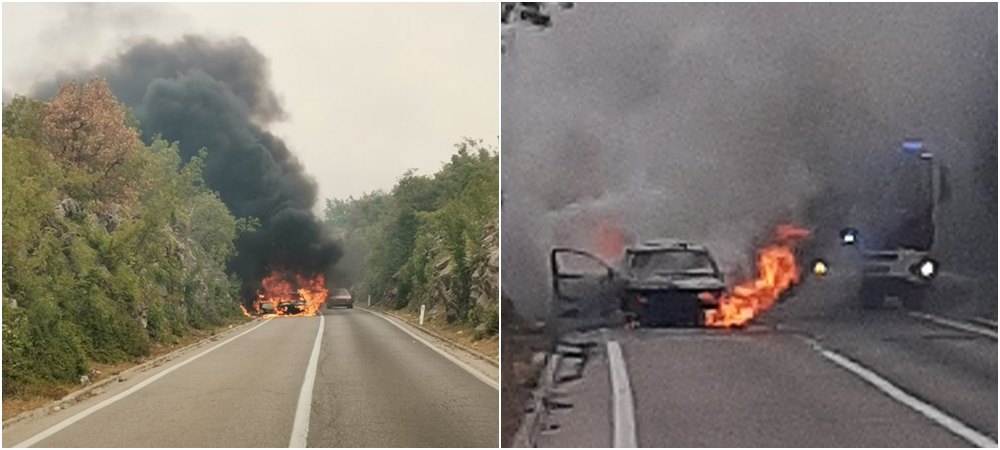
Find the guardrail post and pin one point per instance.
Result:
(369, 300)
(421, 315)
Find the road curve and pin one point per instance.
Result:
(373, 385)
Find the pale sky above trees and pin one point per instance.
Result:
(370, 90)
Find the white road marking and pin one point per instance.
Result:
(479, 375)
(984, 321)
(83, 414)
(955, 324)
(950, 423)
(623, 423)
(300, 426)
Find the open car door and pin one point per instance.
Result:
(586, 292)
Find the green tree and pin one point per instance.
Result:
(22, 118)
(109, 246)
(428, 239)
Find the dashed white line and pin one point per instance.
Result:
(479, 375)
(950, 423)
(623, 408)
(300, 425)
(83, 414)
(955, 324)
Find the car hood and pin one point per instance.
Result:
(676, 282)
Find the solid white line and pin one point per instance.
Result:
(982, 321)
(479, 375)
(300, 426)
(81, 415)
(623, 409)
(955, 324)
(950, 423)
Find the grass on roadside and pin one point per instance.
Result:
(14, 405)
(461, 334)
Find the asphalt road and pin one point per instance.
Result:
(816, 371)
(374, 385)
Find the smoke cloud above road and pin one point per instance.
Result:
(217, 95)
(713, 123)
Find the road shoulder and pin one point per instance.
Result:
(474, 362)
(121, 381)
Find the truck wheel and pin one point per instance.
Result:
(871, 296)
(913, 299)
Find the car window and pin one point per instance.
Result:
(671, 262)
(342, 292)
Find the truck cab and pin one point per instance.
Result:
(887, 236)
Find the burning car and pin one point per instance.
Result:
(669, 282)
(289, 295)
(264, 306)
(292, 304)
(661, 282)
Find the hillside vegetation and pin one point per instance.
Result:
(431, 240)
(110, 246)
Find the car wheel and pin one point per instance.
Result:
(350, 306)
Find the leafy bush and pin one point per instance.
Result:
(109, 245)
(427, 240)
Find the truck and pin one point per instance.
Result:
(886, 237)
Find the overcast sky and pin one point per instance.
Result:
(371, 90)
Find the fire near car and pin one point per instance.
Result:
(670, 282)
(661, 282)
(293, 303)
(265, 307)
(340, 297)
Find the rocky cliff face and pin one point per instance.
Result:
(461, 288)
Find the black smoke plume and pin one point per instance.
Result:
(713, 122)
(217, 95)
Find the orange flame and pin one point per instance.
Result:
(610, 241)
(777, 271)
(280, 288)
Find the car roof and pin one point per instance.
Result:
(659, 245)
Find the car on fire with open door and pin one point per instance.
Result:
(586, 291)
(661, 282)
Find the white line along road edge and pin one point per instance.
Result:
(955, 324)
(300, 426)
(480, 376)
(950, 423)
(82, 414)
(984, 321)
(623, 410)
